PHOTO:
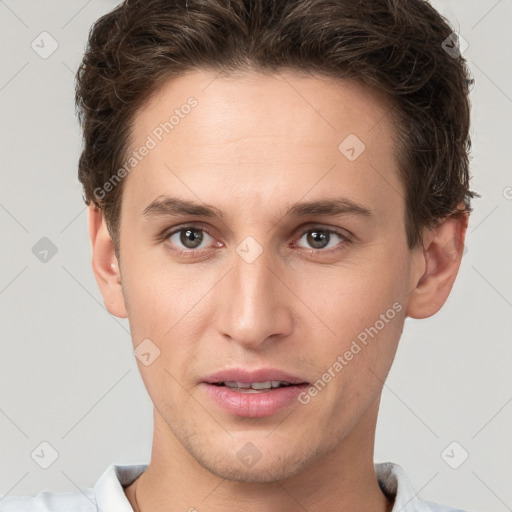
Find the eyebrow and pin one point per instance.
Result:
(172, 206)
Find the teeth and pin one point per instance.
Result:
(256, 385)
(234, 384)
(262, 385)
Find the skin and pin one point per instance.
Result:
(255, 145)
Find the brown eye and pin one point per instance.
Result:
(321, 240)
(191, 238)
(318, 239)
(187, 238)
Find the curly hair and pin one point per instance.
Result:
(396, 46)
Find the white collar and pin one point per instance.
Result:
(393, 481)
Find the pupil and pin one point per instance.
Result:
(188, 236)
(317, 239)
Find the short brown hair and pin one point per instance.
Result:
(395, 46)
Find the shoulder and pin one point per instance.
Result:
(107, 494)
(75, 501)
(395, 484)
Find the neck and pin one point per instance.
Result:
(343, 480)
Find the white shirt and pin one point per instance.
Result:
(108, 495)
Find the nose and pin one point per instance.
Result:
(253, 303)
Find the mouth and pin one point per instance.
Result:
(256, 387)
(257, 380)
(253, 394)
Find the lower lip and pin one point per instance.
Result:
(254, 405)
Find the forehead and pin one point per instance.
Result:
(249, 135)
(274, 100)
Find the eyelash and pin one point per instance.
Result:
(345, 240)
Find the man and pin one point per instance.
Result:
(273, 187)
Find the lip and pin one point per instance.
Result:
(259, 375)
(253, 405)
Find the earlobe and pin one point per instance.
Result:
(104, 263)
(440, 261)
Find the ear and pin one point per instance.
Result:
(440, 259)
(104, 263)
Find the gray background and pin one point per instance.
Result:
(67, 372)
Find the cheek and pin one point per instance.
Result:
(167, 306)
(352, 363)
(348, 300)
(359, 319)
(161, 311)
(156, 292)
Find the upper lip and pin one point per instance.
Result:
(259, 375)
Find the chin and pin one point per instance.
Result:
(271, 466)
(272, 471)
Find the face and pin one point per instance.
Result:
(265, 280)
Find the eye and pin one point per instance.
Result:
(188, 238)
(321, 239)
